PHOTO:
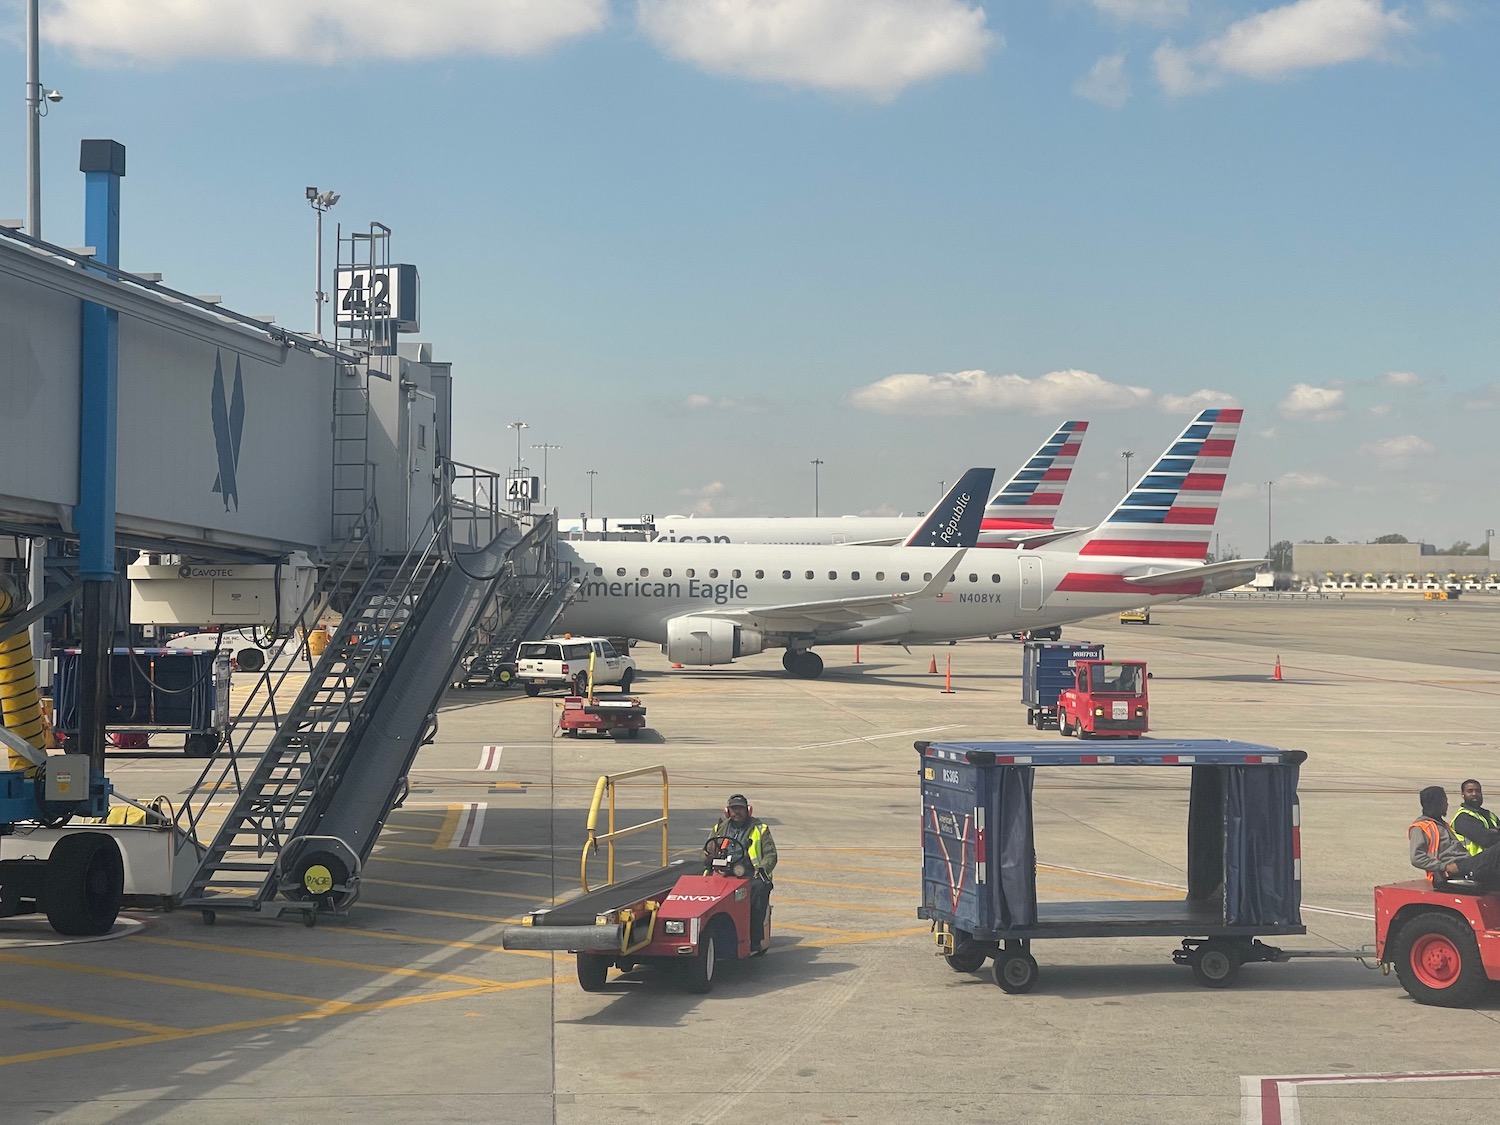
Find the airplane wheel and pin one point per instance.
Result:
(808, 665)
(789, 658)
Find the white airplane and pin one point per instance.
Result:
(713, 602)
(1024, 511)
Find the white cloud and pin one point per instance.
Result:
(318, 31)
(1193, 403)
(1319, 404)
(875, 48)
(1400, 379)
(1158, 13)
(1302, 482)
(1303, 35)
(1382, 409)
(1396, 452)
(743, 405)
(709, 499)
(1268, 433)
(1106, 83)
(963, 391)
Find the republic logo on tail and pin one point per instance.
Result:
(956, 520)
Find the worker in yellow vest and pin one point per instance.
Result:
(1437, 851)
(740, 823)
(1475, 826)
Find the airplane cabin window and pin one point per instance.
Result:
(854, 574)
(734, 573)
(645, 572)
(994, 578)
(833, 576)
(690, 572)
(599, 571)
(880, 576)
(620, 571)
(713, 573)
(927, 577)
(786, 574)
(666, 572)
(760, 574)
(905, 575)
(809, 575)
(973, 578)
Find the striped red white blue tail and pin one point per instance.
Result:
(1030, 500)
(1170, 512)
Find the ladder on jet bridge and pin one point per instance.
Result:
(297, 767)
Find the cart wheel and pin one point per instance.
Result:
(700, 971)
(593, 969)
(1437, 960)
(968, 955)
(1030, 717)
(1215, 964)
(1015, 971)
(310, 918)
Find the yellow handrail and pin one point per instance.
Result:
(606, 785)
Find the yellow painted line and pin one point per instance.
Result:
(171, 982)
(439, 943)
(490, 918)
(845, 906)
(906, 890)
(269, 1021)
(449, 826)
(84, 1017)
(856, 938)
(810, 929)
(322, 962)
(447, 889)
(461, 866)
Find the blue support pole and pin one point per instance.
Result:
(103, 166)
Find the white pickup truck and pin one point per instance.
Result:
(564, 662)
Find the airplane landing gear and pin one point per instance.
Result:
(802, 663)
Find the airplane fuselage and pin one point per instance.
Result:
(635, 589)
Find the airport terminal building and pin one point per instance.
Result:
(1389, 566)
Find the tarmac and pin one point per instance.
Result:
(407, 1009)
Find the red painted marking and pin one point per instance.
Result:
(1013, 523)
(1200, 517)
(1080, 583)
(1169, 757)
(1217, 447)
(1057, 474)
(1231, 415)
(1203, 482)
(1147, 548)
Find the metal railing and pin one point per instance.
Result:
(606, 787)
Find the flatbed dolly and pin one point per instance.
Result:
(617, 718)
(979, 857)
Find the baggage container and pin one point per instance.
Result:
(1046, 670)
(979, 856)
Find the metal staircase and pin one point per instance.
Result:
(307, 742)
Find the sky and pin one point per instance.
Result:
(699, 244)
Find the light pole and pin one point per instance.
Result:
(1128, 454)
(1270, 543)
(815, 463)
(320, 202)
(36, 109)
(592, 473)
(1489, 546)
(544, 447)
(518, 427)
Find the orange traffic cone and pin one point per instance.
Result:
(932, 666)
(856, 654)
(1276, 672)
(678, 666)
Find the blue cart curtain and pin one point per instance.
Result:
(1260, 878)
(1013, 845)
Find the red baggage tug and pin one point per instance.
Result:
(1107, 700)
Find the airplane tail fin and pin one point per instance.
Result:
(1170, 512)
(955, 520)
(1030, 499)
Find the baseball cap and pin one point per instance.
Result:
(736, 799)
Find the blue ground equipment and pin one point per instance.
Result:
(1046, 670)
(153, 690)
(979, 887)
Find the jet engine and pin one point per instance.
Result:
(709, 640)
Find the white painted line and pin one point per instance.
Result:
(871, 737)
(1272, 1099)
(470, 826)
(489, 758)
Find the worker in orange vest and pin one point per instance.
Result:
(1437, 851)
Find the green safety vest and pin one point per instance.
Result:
(1487, 818)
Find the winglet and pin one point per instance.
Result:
(939, 580)
(956, 519)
